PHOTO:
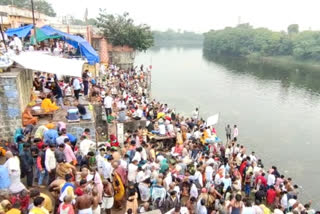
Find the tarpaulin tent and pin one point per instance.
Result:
(44, 62)
(76, 41)
(20, 31)
(42, 36)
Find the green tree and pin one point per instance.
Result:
(306, 45)
(92, 21)
(293, 29)
(40, 5)
(44, 7)
(121, 30)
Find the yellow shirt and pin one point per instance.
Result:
(13, 211)
(47, 202)
(38, 210)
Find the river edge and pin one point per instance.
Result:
(284, 62)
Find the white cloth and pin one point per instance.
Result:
(18, 43)
(124, 164)
(85, 211)
(85, 146)
(132, 172)
(194, 191)
(97, 210)
(107, 202)
(107, 169)
(140, 177)
(108, 102)
(271, 179)
(248, 210)
(144, 192)
(143, 154)
(162, 129)
(76, 84)
(137, 156)
(50, 160)
(227, 183)
(235, 132)
(13, 166)
(209, 173)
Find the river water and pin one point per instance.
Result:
(275, 107)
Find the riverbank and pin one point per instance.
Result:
(285, 61)
(261, 91)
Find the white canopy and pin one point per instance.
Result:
(213, 120)
(42, 61)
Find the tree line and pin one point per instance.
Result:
(171, 36)
(41, 5)
(245, 40)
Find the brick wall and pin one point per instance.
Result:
(15, 91)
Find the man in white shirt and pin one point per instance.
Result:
(132, 171)
(76, 87)
(108, 100)
(235, 133)
(137, 155)
(253, 158)
(100, 159)
(209, 173)
(271, 180)
(50, 162)
(195, 114)
(138, 114)
(140, 175)
(17, 42)
(107, 168)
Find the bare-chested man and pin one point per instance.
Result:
(107, 198)
(96, 199)
(84, 203)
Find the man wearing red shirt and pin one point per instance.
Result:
(262, 179)
(271, 195)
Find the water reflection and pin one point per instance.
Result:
(290, 75)
(169, 47)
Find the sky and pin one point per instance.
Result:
(202, 15)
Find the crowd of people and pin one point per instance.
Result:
(200, 174)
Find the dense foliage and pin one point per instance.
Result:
(121, 30)
(39, 5)
(244, 40)
(171, 36)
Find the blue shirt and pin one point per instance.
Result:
(50, 136)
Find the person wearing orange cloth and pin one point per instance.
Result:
(28, 119)
(47, 105)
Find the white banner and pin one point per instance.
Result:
(213, 120)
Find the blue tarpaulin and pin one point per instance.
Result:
(76, 41)
(21, 31)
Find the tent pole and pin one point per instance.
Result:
(4, 41)
(34, 22)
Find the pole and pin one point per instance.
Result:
(4, 41)
(34, 22)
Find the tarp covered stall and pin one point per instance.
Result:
(20, 31)
(42, 61)
(42, 36)
(76, 41)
